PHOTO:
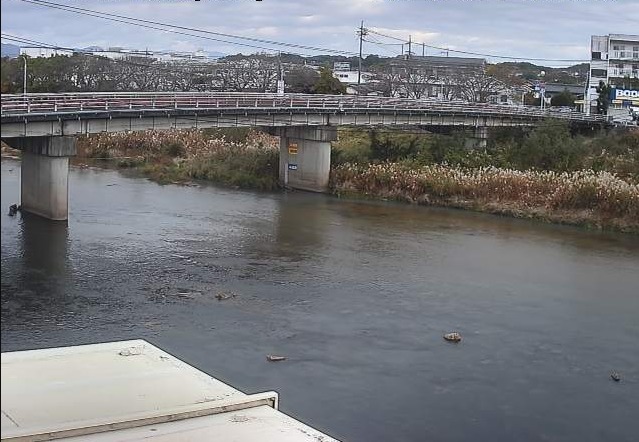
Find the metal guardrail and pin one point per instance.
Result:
(44, 104)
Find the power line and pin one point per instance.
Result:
(504, 57)
(153, 65)
(150, 24)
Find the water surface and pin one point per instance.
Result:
(356, 294)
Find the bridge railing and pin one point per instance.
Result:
(139, 101)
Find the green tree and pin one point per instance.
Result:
(300, 80)
(563, 99)
(550, 146)
(327, 84)
(603, 101)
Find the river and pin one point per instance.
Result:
(356, 294)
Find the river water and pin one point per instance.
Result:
(356, 294)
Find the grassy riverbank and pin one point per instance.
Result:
(239, 158)
(594, 199)
(547, 173)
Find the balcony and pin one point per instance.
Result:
(624, 55)
(621, 73)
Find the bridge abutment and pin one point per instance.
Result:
(44, 175)
(305, 156)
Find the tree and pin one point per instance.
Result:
(327, 84)
(300, 80)
(563, 99)
(477, 87)
(603, 101)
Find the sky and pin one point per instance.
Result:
(553, 29)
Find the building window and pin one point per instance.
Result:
(599, 73)
(596, 55)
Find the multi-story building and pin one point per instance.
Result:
(615, 61)
(44, 52)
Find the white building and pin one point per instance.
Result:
(615, 61)
(44, 52)
(350, 77)
(341, 66)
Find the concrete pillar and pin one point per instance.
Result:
(305, 156)
(44, 176)
(479, 138)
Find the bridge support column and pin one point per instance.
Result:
(479, 137)
(305, 156)
(44, 175)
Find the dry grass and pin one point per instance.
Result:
(600, 198)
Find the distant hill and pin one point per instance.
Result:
(522, 73)
(9, 50)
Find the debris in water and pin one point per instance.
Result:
(453, 337)
(615, 376)
(274, 358)
(221, 296)
(13, 209)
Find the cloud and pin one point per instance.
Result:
(522, 28)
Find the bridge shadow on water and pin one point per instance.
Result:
(41, 272)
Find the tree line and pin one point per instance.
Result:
(85, 73)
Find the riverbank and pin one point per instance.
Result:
(240, 158)
(598, 200)
(602, 193)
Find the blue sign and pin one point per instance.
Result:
(292, 167)
(624, 94)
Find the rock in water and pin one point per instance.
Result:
(453, 337)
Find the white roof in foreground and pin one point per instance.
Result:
(132, 391)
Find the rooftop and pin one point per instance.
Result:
(132, 390)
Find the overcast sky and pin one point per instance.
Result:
(556, 29)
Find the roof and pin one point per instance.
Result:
(132, 390)
(558, 87)
(447, 61)
(626, 37)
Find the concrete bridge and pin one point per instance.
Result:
(44, 127)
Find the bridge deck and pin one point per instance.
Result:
(83, 113)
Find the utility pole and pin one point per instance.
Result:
(24, 81)
(280, 82)
(409, 46)
(423, 49)
(362, 32)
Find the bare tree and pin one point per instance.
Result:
(478, 86)
(253, 73)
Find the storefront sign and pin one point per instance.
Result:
(624, 94)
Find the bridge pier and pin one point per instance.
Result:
(479, 138)
(305, 156)
(44, 174)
